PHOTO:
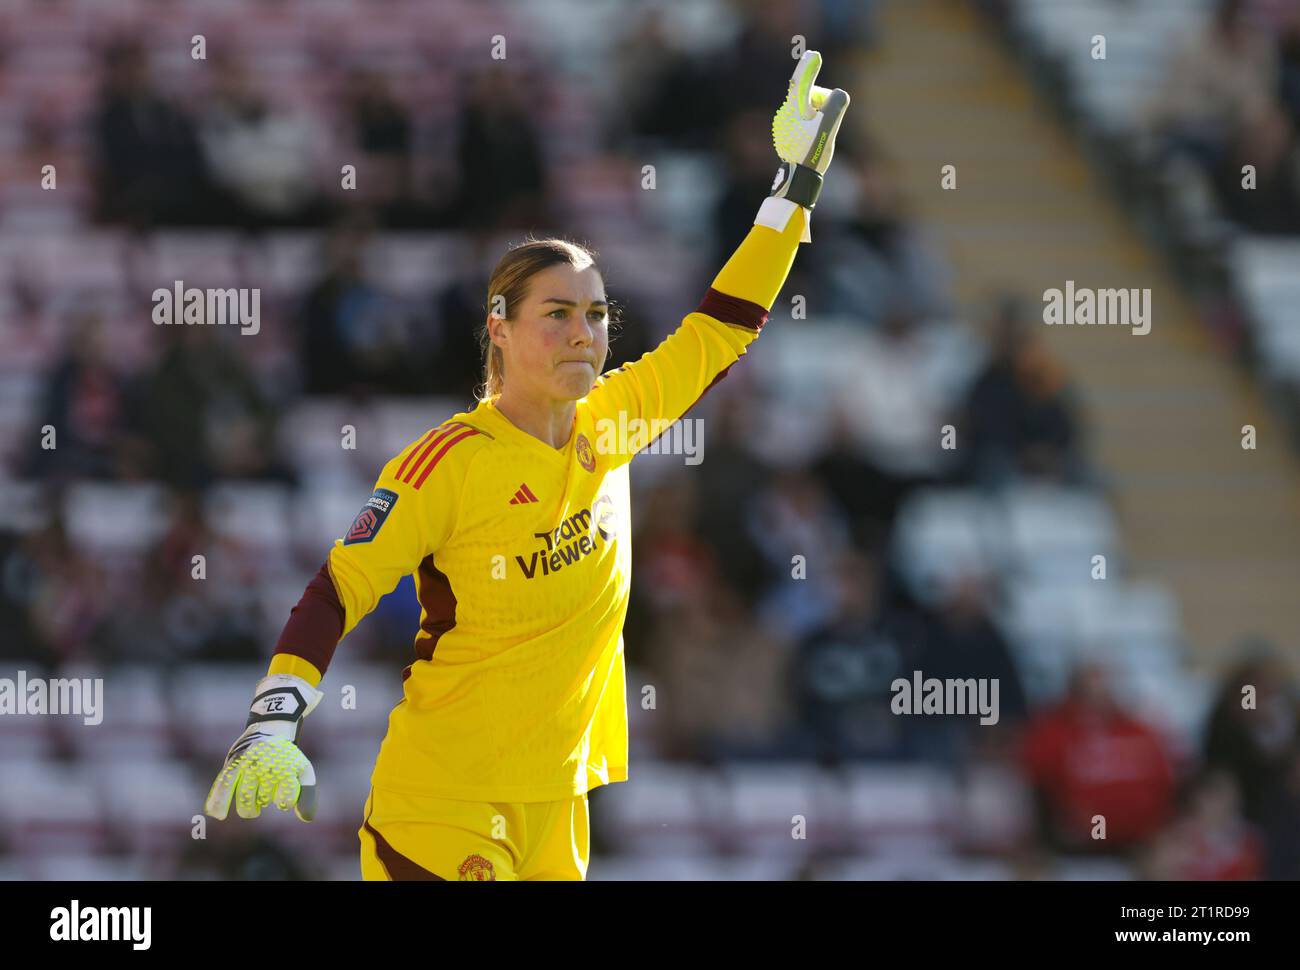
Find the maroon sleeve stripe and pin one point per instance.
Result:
(720, 375)
(315, 625)
(437, 435)
(468, 433)
(411, 454)
(734, 310)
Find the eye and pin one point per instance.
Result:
(597, 315)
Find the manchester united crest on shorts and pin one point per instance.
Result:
(585, 458)
(477, 869)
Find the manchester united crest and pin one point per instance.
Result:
(585, 456)
(477, 869)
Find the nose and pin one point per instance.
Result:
(584, 334)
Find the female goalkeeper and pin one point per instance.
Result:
(514, 518)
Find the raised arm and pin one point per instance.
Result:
(660, 387)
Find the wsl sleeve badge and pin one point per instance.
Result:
(371, 518)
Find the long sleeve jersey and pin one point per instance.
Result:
(522, 559)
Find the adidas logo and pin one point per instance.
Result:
(523, 496)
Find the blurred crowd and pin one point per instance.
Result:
(1230, 99)
(756, 665)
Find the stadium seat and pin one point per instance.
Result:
(255, 514)
(824, 345)
(151, 803)
(1177, 702)
(1140, 40)
(136, 722)
(73, 258)
(934, 865)
(765, 801)
(412, 265)
(400, 421)
(943, 535)
(311, 436)
(1264, 270)
(657, 868)
(344, 784)
(1055, 531)
(25, 737)
(49, 807)
(199, 259)
(1086, 870)
(687, 186)
(24, 505)
(116, 518)
(323, 514)
(344, 867)
(213, 704)
(670, 808)
(279, 593)
(355, 732)
(889, 801)
(291, 260)
(993, 809)
(689, 868)
(77, 867)
(1036, 619)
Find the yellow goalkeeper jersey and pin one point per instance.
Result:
(522, 559)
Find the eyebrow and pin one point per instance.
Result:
(556, 299)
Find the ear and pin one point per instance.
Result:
(496, 328)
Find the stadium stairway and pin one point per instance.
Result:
(1163, 412)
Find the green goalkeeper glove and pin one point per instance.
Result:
(264, 765)
(803, 132)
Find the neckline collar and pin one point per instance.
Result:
(537, 444)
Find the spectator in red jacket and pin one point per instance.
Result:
(1087, 757)
(1210, 840)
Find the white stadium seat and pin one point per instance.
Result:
(670, 808)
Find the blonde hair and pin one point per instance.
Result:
(509, 285)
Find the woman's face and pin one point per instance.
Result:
(557, 344)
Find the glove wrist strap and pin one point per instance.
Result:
(280, 703)
(798, 183)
